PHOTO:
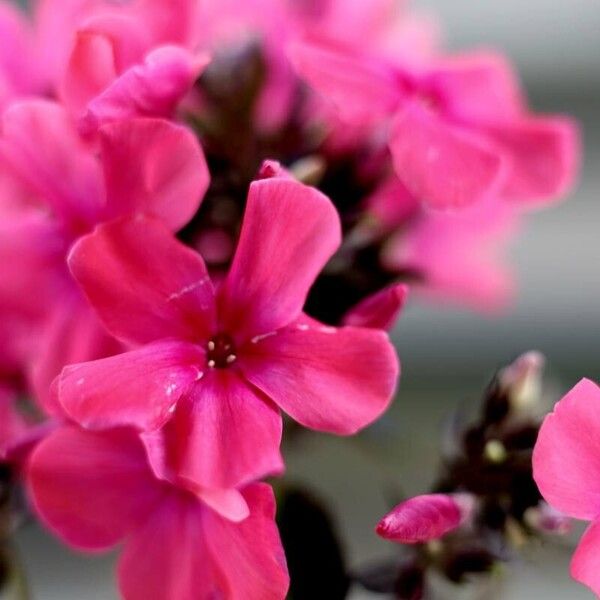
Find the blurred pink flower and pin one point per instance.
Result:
(111, 60)
(566, 468)
(213, 368)
(459, 128)
(424, 518)
(455, 256)
(144, 165)
(96, 490)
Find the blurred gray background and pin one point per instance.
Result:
(447, 355)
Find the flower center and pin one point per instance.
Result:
(220, 352)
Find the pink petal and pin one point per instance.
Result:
(144, 284)
(167, 558)
(335, 380)
(380, 310)
(138, 388)
(289, 232)
(391, 205)
(58, 20)
(153, 166)
(19, 63)
(72, 334)
(260, 566)
(153, 88)
(91, 489)
(421, 519)
(223, 434)
(585, 564)
(43, 148)
(32, 248)
(481, 87)
(363, 89)
(459, 255)
(228, 503)
(566, 458)
(171, 21)
(544, 155)
(91, 69)
(186, 552)
(443, 165)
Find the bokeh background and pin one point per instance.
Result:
(448, 354)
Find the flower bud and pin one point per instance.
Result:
(522, 380)
(546, 519)
(425, 518)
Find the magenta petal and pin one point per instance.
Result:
(479, 88)
(138, 388)
(253, 546)
(43, 148)
(90, 70)
(91, 488)
(544, 155)
(585, 564)
(167, 558)
(19, 64)
(187, 552)
(566, 457)
(363, 89)
(421, 519)
(290, 230)
(151, 89)
(459, 255)
(229, 503)
(143, 283)
(335, 380)
(32, 248)
(380, 310)
(72, 334)
(153, 166)
(443, 165)
(223, 434)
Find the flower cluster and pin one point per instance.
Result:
(485, 504)
(209, 212)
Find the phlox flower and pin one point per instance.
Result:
(459, 127)
(67, 188)
(566, 468)
(455, 256)
(96, 490)
(213, 367)
(115, 60)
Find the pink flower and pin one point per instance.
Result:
(145, 165)
(213, 368)
(95, 490)
(460, 128)
(117, 60)
(566, 468)
(456, 256)
(424, 518)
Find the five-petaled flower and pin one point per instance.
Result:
(212, 366)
